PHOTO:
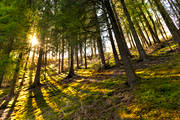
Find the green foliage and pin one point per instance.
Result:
(15, 21)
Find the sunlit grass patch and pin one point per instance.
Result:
(64, 101)
(85, 72)
(129, 113)
(22, 97)
(37, 111)
(111, 62)
(165, 50)
(72, 98)
(107, 86)
(158, 93)
(36, 107)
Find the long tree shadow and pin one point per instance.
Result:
(55, 88)
(14, 102)
(92, 97)
(8, 99)
(19, 90)
(53, 91)
(53, 83)
(3, 97)
(47, 111)
(67, 102)
(29, 106)
(40, 108)
(77, 90)
(89, 103)
(4, 105)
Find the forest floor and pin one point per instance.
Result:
(93, 95)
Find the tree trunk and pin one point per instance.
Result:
(94, 45)
(91, 46)
(33, 56)
(69, 57)
(174, 31)
(15, 77)
(62, 61)
(147, 35)
(7, 52)
(45, 62)
(148, 25)
(1, 78)
(128, 37)
(85, 56)
(154, 25)
(25, 69)
(81, 54)
(71, 69)
(116, 58)
(77, 58)
(119, 27)
(132, 40)
(130, 73)
(99, 43)
(176, 5)
(59, 64)
(160, 28)
(141, 51)
(174, 10)
(159, 21)
(143, 38)
(38, 71)
(100, 50)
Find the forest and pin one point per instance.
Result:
(89, 60)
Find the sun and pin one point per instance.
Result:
(34, 40)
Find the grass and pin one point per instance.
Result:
(102, 96)
(157, 97)
(3, 91)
